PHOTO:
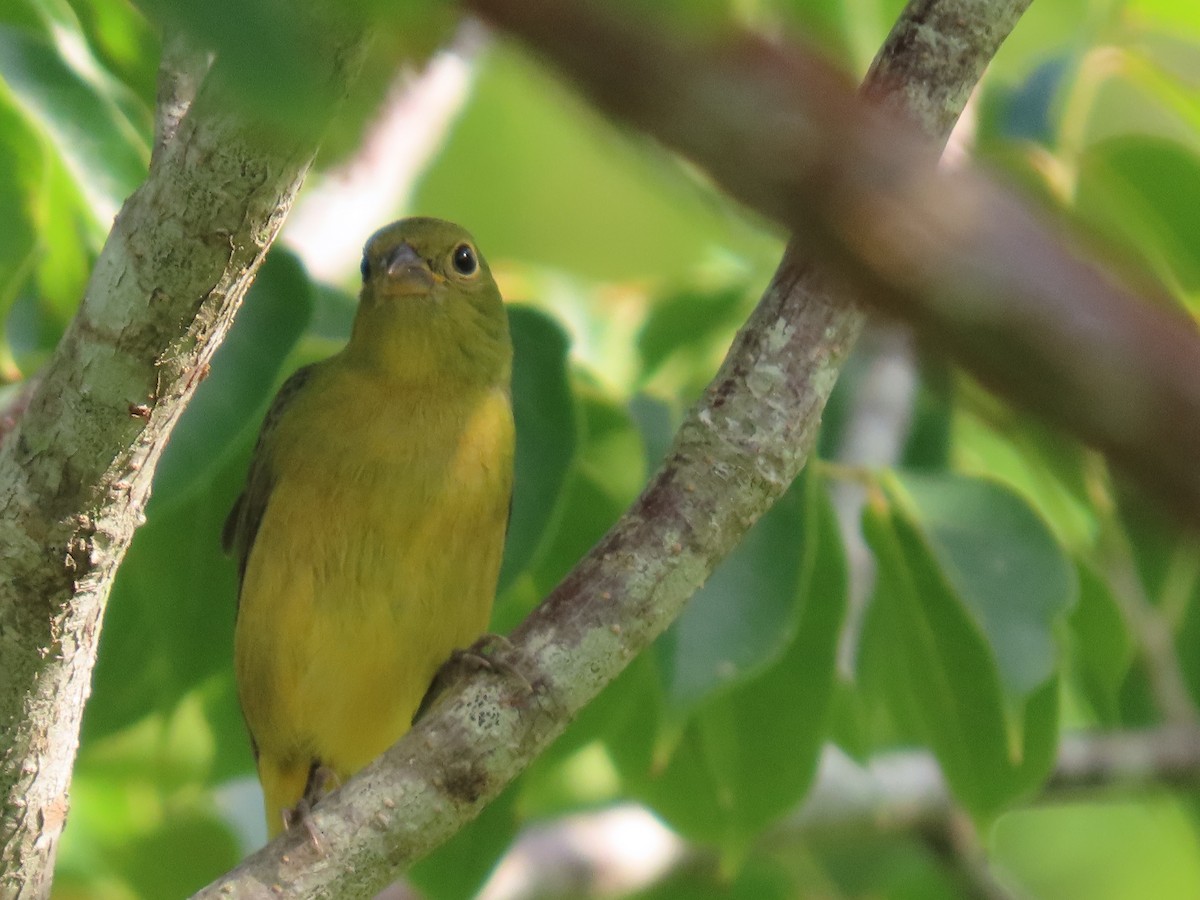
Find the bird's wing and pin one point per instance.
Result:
(241, 526)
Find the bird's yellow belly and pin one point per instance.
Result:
(361, 582)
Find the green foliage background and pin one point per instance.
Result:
(1006, 553)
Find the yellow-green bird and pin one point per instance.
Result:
(370, 530)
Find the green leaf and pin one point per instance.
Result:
(1103, 648)
(266, 53)
(954, 585)
(1000, 560)
(1144, 193)
(547, 434)
(604, 478)
(688, 328)
(1047, 470)
(105, 153)
(136, 803)
(1109, 848)
(747, 611)
(748, 753)
(172, 607)
(124, 42)
(21, 164)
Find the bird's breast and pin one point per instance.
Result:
(389, 486)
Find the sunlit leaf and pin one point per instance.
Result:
(105, 153)
(1146, 193)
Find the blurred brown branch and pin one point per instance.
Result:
(978, 271)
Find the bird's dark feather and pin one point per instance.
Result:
(241, 526)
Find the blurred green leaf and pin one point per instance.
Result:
(1048, 470)
(930, 433)
(169, 623)
(568, 190)
(547, 434)
(608, 472)
(264, 51)
(1144, 193)
(748, 752)
(125, 43)
(1103, 647)
(746, 613)
(105, 153)
(761, 878)
(1000, 560)
(1111, 849)
(973, 582)
(137, 811)
(21, 162)
(686, 325)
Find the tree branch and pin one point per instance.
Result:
(897, 793)
(975, 269)
(76, 470)
(181, 71)
(736, 453)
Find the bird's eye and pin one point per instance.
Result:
(365, 266)
(464, 260)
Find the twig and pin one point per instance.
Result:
(896, 793)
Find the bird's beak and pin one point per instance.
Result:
(407, 272)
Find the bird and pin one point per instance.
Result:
(369, 534)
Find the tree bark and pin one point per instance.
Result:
(76, 470)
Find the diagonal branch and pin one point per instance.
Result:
(736, 453)
(76, 469)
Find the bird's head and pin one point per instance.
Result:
(429, 301)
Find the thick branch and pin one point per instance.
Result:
(75, 472)
(181, 72)
(975, 269)
(736, 453)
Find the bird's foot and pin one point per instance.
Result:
(486, 654)
(300, 816)
(321, 780)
